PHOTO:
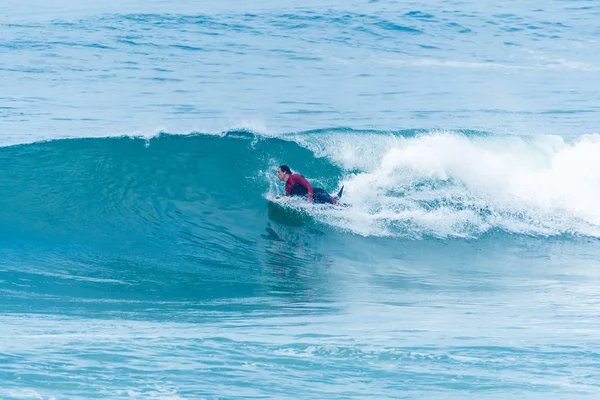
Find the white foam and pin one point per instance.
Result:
(431, 62)
(449, 184)
(543, 62)
(22, 393)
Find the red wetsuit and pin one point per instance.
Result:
(297, 185)
(297, 179)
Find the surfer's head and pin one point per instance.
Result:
(284, 172)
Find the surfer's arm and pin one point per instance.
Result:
(300, 179)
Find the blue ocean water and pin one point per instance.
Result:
(140, 257)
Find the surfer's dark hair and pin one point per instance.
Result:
(285, 169)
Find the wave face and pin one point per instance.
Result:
(408, 184)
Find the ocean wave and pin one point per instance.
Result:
(409, 184)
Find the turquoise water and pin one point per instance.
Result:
(140, 257)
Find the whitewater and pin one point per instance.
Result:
(140, 256)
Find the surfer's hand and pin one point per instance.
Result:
(277, 197)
